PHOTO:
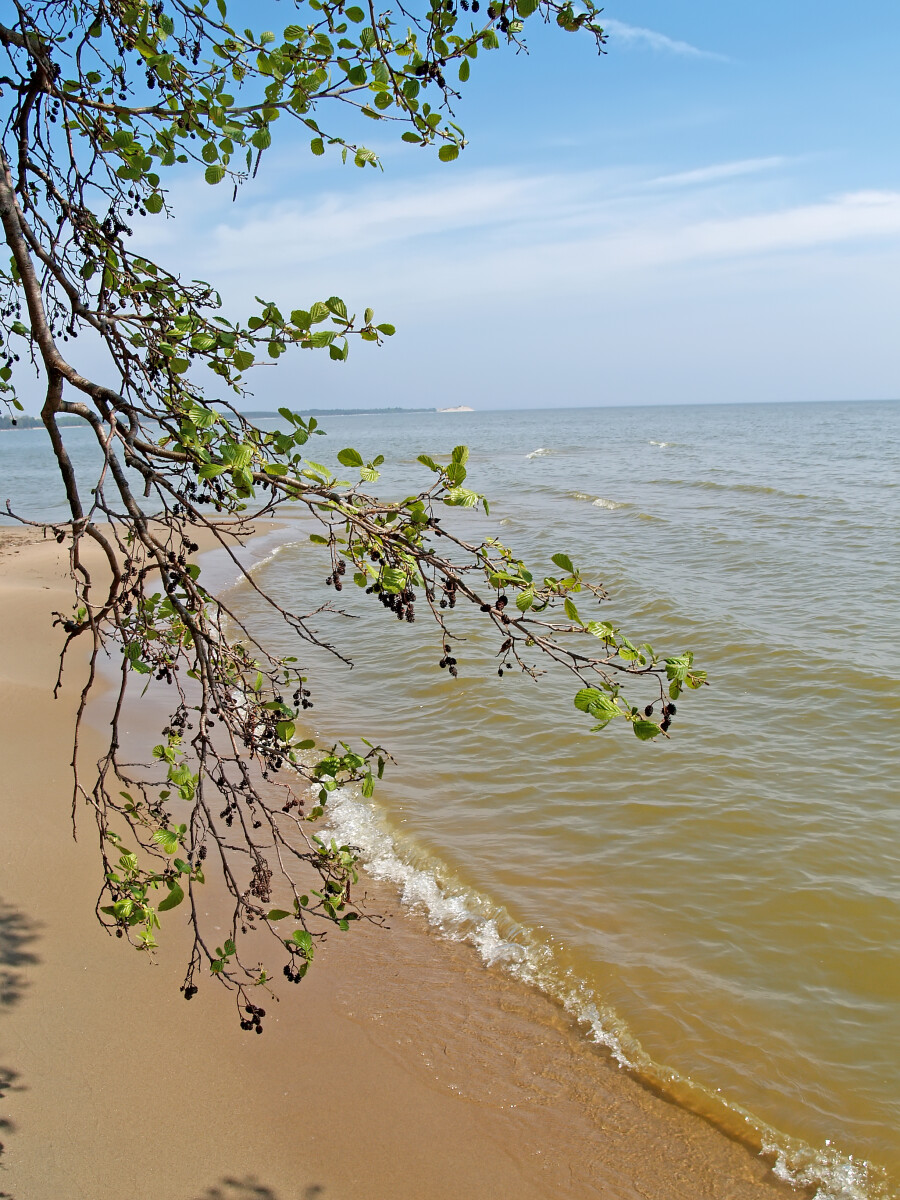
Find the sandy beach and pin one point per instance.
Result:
(401, 1068)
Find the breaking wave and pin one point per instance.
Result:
(598, 501)
(428, 887)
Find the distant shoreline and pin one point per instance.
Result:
(265, 414)
(8, 424)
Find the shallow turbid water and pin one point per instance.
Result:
(723, 910)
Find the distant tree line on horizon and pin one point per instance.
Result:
(23, 422)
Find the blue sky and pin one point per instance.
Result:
(708, 213)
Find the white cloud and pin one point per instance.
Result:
(619, 30)
(854, 217)
(512, 267)
(535, 283)
(501, 231)
(718, 172)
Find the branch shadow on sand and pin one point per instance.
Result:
(249, 1188)
(17, 935)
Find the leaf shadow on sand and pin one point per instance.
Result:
(17, 934)
(249, 1188)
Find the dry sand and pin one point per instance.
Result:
(401, 1069)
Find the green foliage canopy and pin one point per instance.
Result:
(101, 102)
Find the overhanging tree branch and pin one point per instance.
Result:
(98, 103)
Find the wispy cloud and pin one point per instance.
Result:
(512, 235)
(657, 41)
(497, 260)
(718, 172)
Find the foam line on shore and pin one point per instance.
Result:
(427, 886)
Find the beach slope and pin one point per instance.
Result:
(392, 1073)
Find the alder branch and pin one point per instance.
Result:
(230, 799)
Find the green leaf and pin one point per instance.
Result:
(524, 600)
(285, 730)
(597, 704)
(586, 697)
(461, 497)
(337, 306)
(167, 839)
(174, 898)
(303, 939)
(393, 579)
(645, 730)
(317, 146)
(629, 653)
(464, 70)
(603, 630)
(571, 611)
(214, 173)
(154, 202)
(242, 359)
(277, 914)
(448, 153)
(349, 458)
(564, 563)
(386, 329)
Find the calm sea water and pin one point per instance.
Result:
(722, 911)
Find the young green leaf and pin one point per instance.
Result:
(174, 898)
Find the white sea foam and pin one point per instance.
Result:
(835, 1176)
(255, 565)
(540, 452)
(457, 912)
(221, 571)
(460, 914)
(598, 501)
(660, 444)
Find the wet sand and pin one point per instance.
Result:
(401, 1068)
